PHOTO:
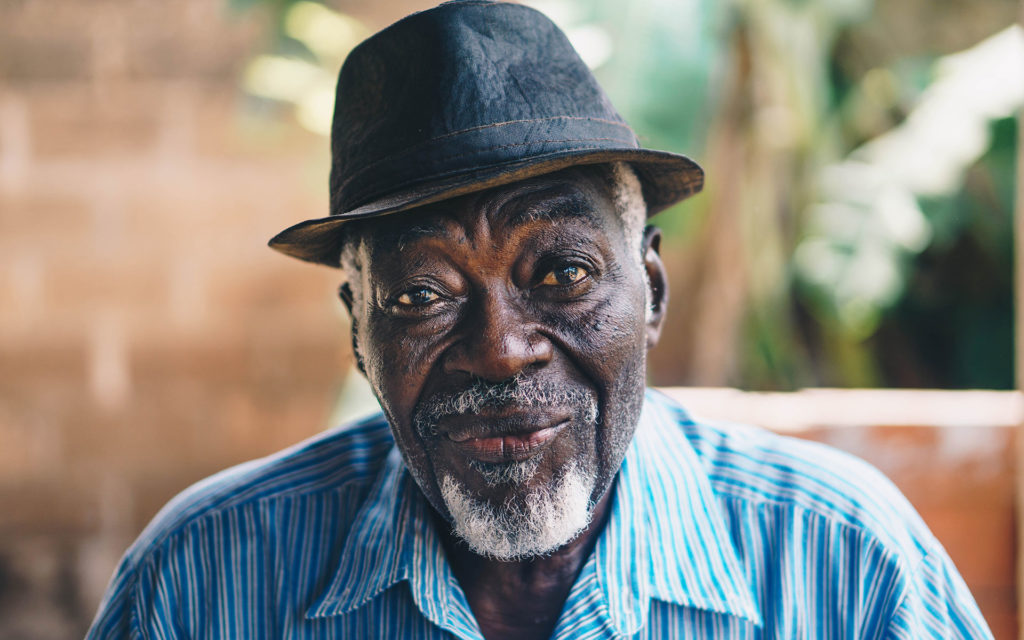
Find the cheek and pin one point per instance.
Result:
(608, 343)
(621, 345)
(396, 359)
(394, 368)
(397, 365)
(604, 337)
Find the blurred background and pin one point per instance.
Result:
(856, 231)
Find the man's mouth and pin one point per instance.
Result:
(509, 437)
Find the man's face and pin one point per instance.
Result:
(505, 335)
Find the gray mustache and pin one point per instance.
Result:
(520, 391)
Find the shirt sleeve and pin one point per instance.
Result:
(115, 619)
(937, 604)
(139, 604)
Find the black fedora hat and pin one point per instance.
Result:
(469, 95)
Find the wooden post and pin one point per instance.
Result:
(1019, 240)
(1018, 234)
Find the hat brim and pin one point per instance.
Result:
(666, 178)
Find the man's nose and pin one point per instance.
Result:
(498, 341)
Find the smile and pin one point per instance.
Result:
(506, 445)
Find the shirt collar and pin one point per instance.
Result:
(393, 539)
(665, 539)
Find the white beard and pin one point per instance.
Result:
(506, 473)
(547, 518)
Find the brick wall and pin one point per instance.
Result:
(147, 335)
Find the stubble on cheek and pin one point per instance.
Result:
(414, 449)
(614, 332)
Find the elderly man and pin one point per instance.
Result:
(488, 208)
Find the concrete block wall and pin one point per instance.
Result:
(147, 335)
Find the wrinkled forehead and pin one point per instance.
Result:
(579, 198)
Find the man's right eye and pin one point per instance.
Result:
(417, 297)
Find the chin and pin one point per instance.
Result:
(535, 519)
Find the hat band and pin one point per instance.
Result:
(476, 149)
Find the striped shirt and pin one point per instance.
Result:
(715, 531)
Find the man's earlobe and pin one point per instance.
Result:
(345, 293)
(360, 364)
(657, 283)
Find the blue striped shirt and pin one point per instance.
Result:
(715, 531)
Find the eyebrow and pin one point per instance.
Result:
(415, 232)
(559, 207)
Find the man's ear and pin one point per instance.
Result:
(657, 281)
(345, 293)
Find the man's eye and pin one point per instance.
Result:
(417, 297)
(563, 276)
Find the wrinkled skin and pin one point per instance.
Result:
(531, 279)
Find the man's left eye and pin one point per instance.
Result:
(564, 276)
(417, 297)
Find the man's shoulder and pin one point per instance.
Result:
(347, 457)
(756, 469)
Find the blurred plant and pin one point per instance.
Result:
(869, 223)
(314, 42)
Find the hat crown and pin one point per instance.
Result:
(466, 84)
(467, 96)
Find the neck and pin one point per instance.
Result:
(520, 598)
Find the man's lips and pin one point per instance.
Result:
(510, 448)
(506, 437)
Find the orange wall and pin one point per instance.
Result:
(952, 453)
